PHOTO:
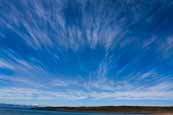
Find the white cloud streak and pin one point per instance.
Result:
(45, 27)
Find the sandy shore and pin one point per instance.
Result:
(165, 114)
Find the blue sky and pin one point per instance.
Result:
(86, 52)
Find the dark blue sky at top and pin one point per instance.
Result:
(94, 50)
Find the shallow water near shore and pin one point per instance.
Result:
(38, 112)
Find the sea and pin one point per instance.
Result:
(4, 111)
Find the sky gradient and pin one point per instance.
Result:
(86, 52)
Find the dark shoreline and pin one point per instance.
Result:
(114, 109)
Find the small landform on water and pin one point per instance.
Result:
(115, 109)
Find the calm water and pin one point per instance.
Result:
(36, 112)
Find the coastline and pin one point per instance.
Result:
(114, 109)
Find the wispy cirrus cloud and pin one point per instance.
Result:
(86, 50)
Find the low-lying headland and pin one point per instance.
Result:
(115, 109)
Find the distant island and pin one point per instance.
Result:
(115, 109)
